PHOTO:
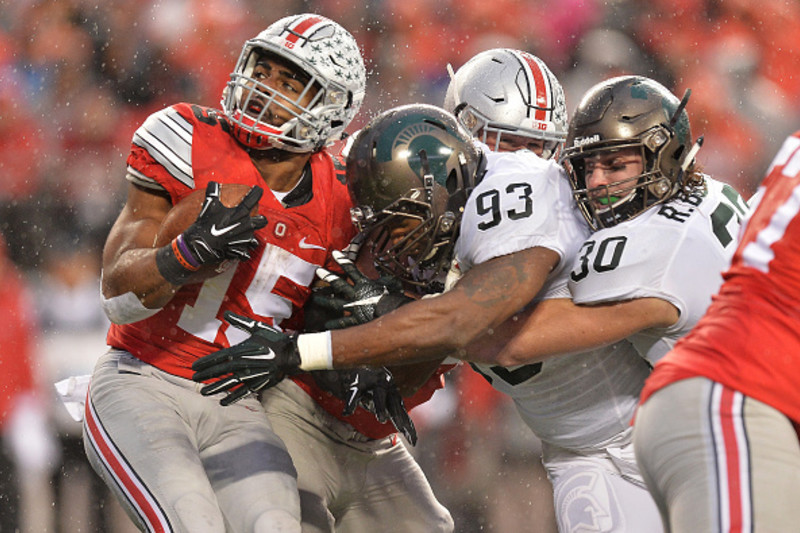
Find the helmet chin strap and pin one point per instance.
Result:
(689, 159)
(679, 109)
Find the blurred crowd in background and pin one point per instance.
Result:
(77, 77)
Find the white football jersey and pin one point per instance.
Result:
(578, 401)
(523, 201)
(675, 251)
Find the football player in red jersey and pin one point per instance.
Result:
(716, 436)
(176, 460)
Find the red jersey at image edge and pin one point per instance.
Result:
(749, 339)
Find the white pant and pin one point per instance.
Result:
(600, 490)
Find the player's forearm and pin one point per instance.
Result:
(532, 336)
(424, 330)
(129, 258)
(136, 272)
(440, 326)
(544, 330)
(129, 267)
(560, 327)
(420, 331)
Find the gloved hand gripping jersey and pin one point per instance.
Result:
(363, 298)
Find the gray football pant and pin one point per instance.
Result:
(178, 461)
(718, 461)
(348, 482)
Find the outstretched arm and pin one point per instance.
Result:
(423, 330)
(475, 321)
(559, 327)
(432, 328)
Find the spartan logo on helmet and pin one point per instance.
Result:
(623, 113)
(409, 172)
(419, 137)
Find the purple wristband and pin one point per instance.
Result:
(186, 252)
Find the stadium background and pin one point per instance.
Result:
(78, 76)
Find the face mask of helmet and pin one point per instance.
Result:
(622, 200)
(409, 173)
(494, 134)
(256, 106)
(412, 238)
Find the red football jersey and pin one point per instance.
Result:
(181, 149)
(749, 340)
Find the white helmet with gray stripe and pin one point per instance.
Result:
(329, 55)
(509, 91)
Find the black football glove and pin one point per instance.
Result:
(219, 233)
(352, 250)
(364, 298)
(258, 362)
(374, 389)
(323, 310)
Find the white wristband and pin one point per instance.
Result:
(315, 350)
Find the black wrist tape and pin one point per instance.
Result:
(175, 263)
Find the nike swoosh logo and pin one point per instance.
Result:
(216, 232)
(306, 246)
(269, 356)
(372, 300)
(353, 390)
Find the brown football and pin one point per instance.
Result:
(184, 213)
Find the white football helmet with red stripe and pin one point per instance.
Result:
(509, 91)
(329, 55)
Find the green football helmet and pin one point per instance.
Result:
(409, 172)
(629, 112)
